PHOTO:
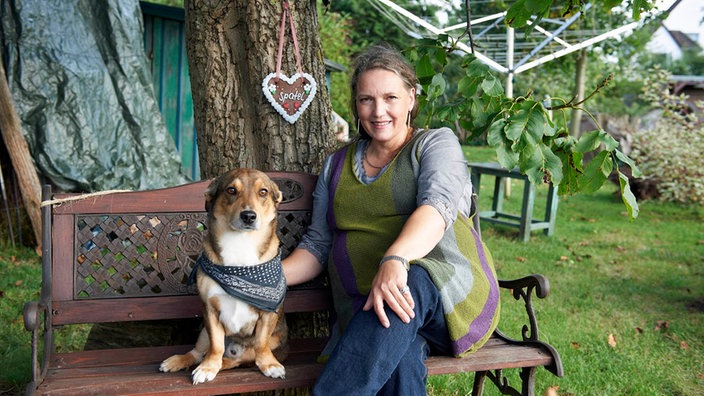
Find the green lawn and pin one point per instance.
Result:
(638, 282)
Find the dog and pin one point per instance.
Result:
(241, 242)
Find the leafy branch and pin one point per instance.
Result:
(520, 129)
(571, 105)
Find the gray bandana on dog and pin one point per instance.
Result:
(262, 285)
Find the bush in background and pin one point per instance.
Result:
(668, 149)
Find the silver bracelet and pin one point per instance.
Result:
(403, 261)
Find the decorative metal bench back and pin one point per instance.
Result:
(129, 255)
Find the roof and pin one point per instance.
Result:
(683, 40)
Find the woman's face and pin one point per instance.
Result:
(383, 102)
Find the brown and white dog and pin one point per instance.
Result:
(245, 305)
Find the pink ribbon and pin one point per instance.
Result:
(281, 43)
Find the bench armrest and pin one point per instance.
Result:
(35, 317)
(523, 289)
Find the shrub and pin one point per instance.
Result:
(669, 148)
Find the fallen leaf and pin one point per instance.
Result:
(639, 330)
(612, 341)
(564, 258)
(661, 324)
(18, 282)
(521, 259)
(574, 345)
(552, 391)
(684, 345)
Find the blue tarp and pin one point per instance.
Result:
(80, 81)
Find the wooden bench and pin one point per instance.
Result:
(125, 257)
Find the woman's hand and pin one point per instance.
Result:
(390, 287)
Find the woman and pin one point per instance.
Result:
(391, 225)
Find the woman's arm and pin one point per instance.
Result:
(301, 266)
(422, 231)
(443, 179)
(309, 258)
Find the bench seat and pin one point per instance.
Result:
(123, 371)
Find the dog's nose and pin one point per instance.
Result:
(248, 217)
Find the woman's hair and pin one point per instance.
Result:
(381, 57)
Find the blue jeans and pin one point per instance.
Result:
(372, 360)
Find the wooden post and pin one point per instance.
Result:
(30, 187)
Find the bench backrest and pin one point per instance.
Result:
(127, 256)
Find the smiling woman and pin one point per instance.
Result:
(391, 223)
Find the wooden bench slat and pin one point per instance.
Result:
(167, 307)
(149, 381)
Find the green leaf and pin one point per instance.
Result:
(596, 172)
(447, 113)
(492, 86)
(467, 86)
(640, 6)
(530, 162)
(552, 165)
(495, 136)
(628, 161)
(527, 125)
(476, 68)
(506, 157)
(538, 7)
(517, 123)
(590, 141)
(478, 113)
(609, 4)
(424, 70)
(570, 182)
(517, 14)
(441, 55)
(437, 87)
(627, 196)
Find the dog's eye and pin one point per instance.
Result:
(263, 192)
(231, 190)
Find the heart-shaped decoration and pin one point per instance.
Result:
(289, 96)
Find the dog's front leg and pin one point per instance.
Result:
(264, 357)
(212, 363)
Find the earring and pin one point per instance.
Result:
(408, 120)
(358, 126)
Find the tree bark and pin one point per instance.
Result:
(232, 46)
(579, 81)
(20, 157)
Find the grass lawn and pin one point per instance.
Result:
(638, 284)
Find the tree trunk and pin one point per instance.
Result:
(21, 158)
(232, 46)
(580, 76)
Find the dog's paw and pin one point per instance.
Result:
(174, 363)
(274, 371)
(203, 374)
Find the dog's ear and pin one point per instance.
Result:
(210, 193)
(276, 194)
